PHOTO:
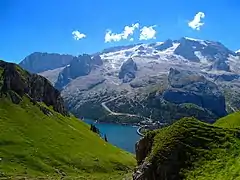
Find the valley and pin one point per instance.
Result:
(119, 90)
(180, 96)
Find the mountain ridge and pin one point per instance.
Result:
(42, 61)
(149, 70)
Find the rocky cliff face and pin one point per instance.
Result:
(128, 70)
(189, 87)
(97, 60)
(221, 65)
(143, 147)
(39, 62)
(167, 44)
(210, 50)
(79, 66)
(18, 83)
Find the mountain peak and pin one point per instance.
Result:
(39, 61)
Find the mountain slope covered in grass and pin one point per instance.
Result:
(190, 149)
(36, 142)
(230, 121)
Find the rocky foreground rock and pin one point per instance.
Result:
(19, 83)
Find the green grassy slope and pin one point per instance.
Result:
(190, 149)
(230, 121)
(52, 147)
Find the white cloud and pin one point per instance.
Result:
(148, 33)
(196, 22)
(110, 36)
(131, 39)
(127, 32)
(77, 35)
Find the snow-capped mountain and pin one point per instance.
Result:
(201, 55)
(125, 73)
(207, 55)
(187, 53)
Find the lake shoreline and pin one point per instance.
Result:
(111, 122)
(124, 136)
(139, 131)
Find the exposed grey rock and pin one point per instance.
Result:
(220, 65)
(84, 83)
(38, 62)
(79, 66)
(223, 77)
(36, 87)
(216, 51)
(227, 77)
(145, 81)
(167, 44)
(141, 48)
(15, 97)
(141, 53)
(210, 50)
(143, 147)
(46, 111)
(187, 87)
(187, 48)
(97, 60)
(128, 70)
(144, 172)
(180, 78)
(52, 75)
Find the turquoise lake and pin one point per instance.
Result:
(122, 136)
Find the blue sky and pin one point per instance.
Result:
(46, 25)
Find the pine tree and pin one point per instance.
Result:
(105, 138)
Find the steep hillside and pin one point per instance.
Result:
(17, 82)
(33, 144)
(189, 149)
(37, 141)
